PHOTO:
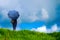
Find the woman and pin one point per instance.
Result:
(14, 23)
(13, 15)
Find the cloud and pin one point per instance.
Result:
(35, 15)
(27, 9)
(40, 29)
(45, 15)
(54, 28)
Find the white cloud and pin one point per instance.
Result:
(44, 14)
(40, 29)
(54, 28)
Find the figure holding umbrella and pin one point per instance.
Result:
(13, 15)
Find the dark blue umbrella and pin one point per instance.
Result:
(13, 14)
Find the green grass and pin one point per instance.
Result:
(6, 34)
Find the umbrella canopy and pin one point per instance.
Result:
(13, 14)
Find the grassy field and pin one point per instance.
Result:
(6, 34)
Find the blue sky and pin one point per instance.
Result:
(37, 15)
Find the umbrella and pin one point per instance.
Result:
(13, 14)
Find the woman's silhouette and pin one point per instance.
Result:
(14, 23)
(13, 15)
